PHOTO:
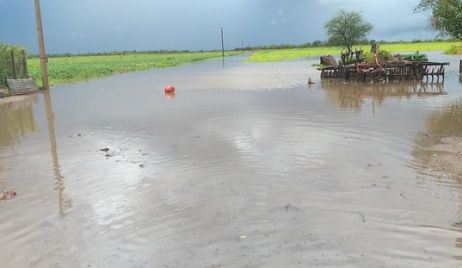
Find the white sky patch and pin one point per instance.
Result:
(280, 18)
(391, 7)
(77, 35)
(118, 29)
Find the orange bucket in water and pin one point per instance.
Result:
(170, 95)
(169, 89)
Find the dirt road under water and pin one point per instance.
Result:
(246, 166)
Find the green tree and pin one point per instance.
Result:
(347, 28)
(446, 16)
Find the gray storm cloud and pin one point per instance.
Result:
(106, 25)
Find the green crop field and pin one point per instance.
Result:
(297, 53)
(455, 50)
(79, 68)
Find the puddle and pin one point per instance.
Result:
(245, 166)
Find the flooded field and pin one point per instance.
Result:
(246, 166)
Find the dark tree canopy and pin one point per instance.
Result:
(446, 16)
(347, 29)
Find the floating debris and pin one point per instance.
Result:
(363, 218)
(290, 207)
(7, 195)
(109, 155)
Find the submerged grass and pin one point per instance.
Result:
(293, 54)
(80, 68)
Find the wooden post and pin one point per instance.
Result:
(13, 65)
(460, 67)
(41, 44)
(24, 64)
(222, 43)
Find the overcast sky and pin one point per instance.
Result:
(78, 26)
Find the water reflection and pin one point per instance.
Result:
(170, 95)
(351, 95)
(447, 122)
(59, 184)
(16, 118)
(439, 149)
(297, 178)
(458, 245)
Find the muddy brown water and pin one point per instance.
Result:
(246, 166)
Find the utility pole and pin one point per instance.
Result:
(222, 43)
(41, 44)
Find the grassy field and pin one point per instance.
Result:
(80, 68)
(455, 50)
(293, 54)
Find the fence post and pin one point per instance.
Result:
(24, 62)
(460, 67)
(13, 63)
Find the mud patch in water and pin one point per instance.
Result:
(440, 148)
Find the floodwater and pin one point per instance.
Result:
(246, 166)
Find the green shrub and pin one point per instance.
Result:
(457, 49)
(383, 56)
(6, 69)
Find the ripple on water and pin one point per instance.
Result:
(271, 175)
